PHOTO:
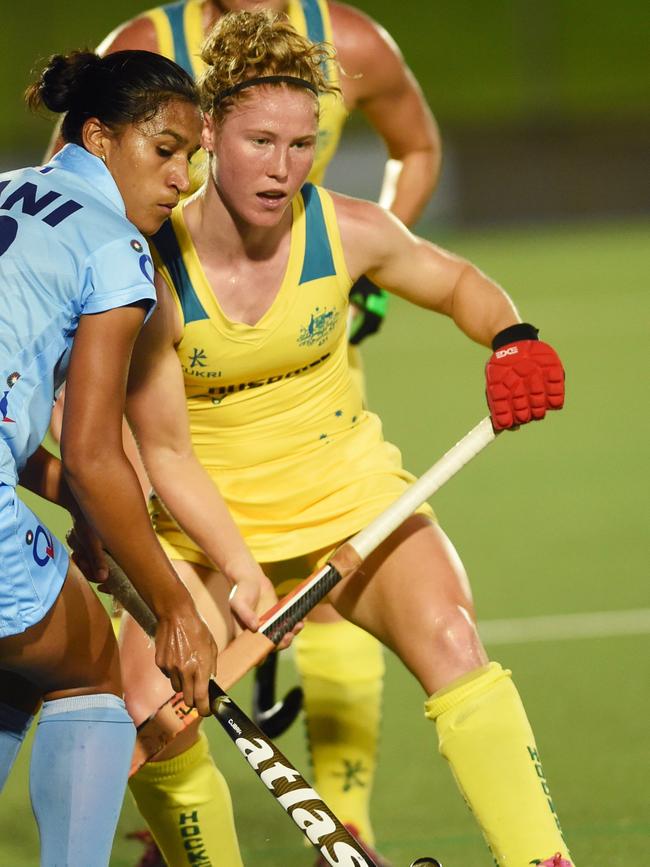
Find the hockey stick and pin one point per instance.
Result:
(250, 648)
(314, 818)
(273, 716)
(287, 785)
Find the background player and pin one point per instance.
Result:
(377, 82)
(259, 274)
(77, 284)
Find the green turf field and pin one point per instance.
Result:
(549, 521)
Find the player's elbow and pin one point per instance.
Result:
(86, 463)
(169, 461)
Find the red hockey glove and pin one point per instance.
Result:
(524, 377)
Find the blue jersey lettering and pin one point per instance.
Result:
(31, 205)
(8, 231)
(26, 193)
(59, 214)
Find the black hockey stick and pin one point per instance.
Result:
(273, 716)
(309, 812)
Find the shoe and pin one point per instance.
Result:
(152, 856)
(374, 856)
(554, 861)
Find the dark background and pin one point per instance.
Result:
(544, 107)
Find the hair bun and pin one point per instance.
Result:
(65, 78)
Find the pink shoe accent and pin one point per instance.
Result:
(556, 861)
(152, 856)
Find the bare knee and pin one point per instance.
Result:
(452, 647)
(454, 632)
(145, 686)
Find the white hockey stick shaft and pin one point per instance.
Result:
(349, 556)
(435, 477)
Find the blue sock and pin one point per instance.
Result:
(79, 769)
(14, 725)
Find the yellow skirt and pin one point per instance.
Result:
(305, 501)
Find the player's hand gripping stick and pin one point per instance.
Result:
(287, 785)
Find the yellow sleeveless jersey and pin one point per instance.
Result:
(274, 415)
(179, 30)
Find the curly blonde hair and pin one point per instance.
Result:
(245, 45)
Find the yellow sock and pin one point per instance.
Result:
(485, 736)
(342, 669)
(187, 805)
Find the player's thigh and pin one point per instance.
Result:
(72, 650)
(210, 591)
(146, 688)
(413, 594)
(324, 612)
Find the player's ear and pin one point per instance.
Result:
(95, 137)
(208, 133)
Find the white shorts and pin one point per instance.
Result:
(33, 565)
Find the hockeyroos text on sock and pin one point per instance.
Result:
(532, 752)
(192, 839)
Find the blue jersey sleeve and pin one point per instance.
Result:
(118, 274)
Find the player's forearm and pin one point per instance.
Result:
(199, 509)
(408, 183)
(479, 307)
(106, 488)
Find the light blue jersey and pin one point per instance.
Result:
(66, 249)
